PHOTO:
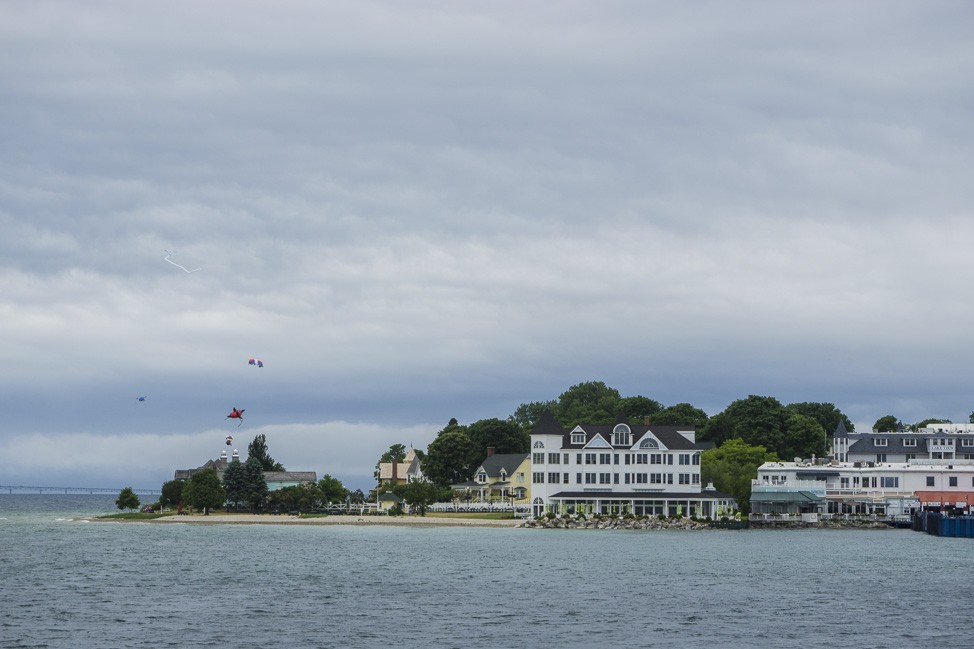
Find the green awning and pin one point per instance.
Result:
(786, 497)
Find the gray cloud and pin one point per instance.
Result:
(415, 213)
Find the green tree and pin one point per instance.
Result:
(887, 424)
(301, 497)
(826, 414)
(172, 493)
(254, 484)
(258, 450)
(804, 437)
(732, 466)
(588, 403)
(503, 436)
(332, 490)
(759, 421)
(235, 483)
(419, 495)
(637, 408)
(527, 414)
(127, 499)
(718, 430)
(679, 415)
(203, 491)
(449, 456)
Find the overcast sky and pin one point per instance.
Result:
(417, 211)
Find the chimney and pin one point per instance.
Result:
(395, 470)
(645, 420)
(490, 451)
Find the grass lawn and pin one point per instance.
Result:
(491, 516)
(135, 516)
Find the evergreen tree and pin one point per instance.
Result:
(254, 484)
(258, 450)
(235, 483)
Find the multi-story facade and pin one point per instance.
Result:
(620, 468)
(934, 442)
(863, 487)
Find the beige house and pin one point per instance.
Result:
(393, 473)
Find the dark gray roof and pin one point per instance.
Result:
(546, 425)
(219, 466)
(507, 461)
(840, 430)
(894, 442)
(471, 484)
(290, 476)
(668, 435)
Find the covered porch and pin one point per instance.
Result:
(700, 505)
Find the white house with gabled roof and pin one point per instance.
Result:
(619, 468)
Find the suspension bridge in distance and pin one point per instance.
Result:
(29, 489)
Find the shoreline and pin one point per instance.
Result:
(269, 519)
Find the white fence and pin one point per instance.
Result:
(498, 507)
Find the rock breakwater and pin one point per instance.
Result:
(648, 523)
(690, 524)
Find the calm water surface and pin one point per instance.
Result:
(66, 583)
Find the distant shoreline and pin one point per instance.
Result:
(361, 521)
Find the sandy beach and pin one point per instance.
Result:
(268, 519)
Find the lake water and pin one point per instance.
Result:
(66, 583)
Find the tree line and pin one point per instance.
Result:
(243, 486)
(747, 433)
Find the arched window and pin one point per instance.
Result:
(539, 444)
(620, 435)
(537, 508)
(649, 442)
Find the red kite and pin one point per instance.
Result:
(236, 414)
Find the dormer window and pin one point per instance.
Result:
(621, 435)
(879, 442)
(578, 438)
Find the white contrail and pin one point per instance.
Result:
(167, 258)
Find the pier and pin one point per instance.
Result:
(938, 524)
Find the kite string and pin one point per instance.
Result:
(167, 258)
